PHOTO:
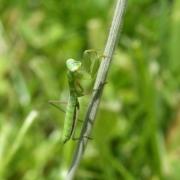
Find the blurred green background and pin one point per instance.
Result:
(137, 132)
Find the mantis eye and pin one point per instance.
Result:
(73, 65)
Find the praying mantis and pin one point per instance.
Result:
(75, 71)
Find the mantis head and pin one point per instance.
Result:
(73, 65)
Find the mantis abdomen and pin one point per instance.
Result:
(70, 118)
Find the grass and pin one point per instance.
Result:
(137, 129)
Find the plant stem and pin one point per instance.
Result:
(98, 86)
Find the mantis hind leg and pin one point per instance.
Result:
(76, 139)
(101, 86)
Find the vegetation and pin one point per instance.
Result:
(137, 131)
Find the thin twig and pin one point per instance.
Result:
(98, 86)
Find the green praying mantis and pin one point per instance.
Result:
(75, 72)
